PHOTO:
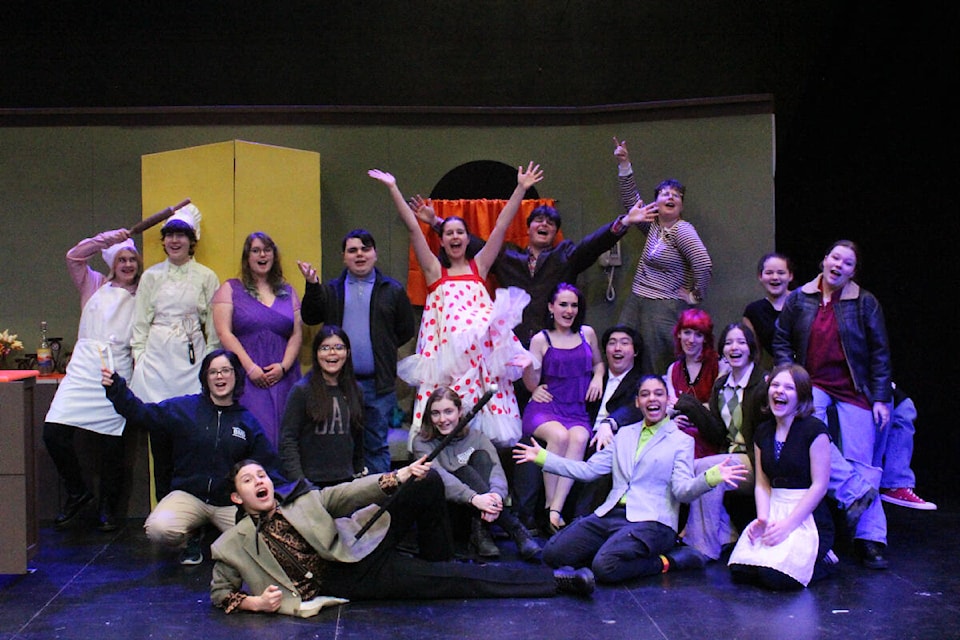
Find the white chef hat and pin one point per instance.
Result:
(110, 253)
(188, 215)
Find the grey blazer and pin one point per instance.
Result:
(655, 483)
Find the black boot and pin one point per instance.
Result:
(72, 509)
(107, 519)
(480, 540)
(527, 547)
(579, 582)
(683, 558)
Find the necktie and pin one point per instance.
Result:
(731, 412)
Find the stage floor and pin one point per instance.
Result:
(85, 584)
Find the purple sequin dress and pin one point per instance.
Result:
(567, 374)
(264, 331)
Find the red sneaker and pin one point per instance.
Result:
(905, 497)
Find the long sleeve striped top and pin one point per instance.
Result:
(674, 264)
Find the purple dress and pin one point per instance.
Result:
(567, 374)
(264, 331)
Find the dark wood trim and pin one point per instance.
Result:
(388, 115)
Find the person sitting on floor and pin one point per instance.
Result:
(472, 475)
(621, 346)
(300, 552)
(789, 544)
(633, 533)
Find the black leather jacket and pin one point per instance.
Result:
(391, 319)
(863, 335)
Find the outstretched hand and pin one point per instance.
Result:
(641, 213)
(423, 209)
(309, 273)
(382, 176)
(526, 453)
(621, 153)
(530, 177)
(732, 472)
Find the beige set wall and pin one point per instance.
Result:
(61, 184)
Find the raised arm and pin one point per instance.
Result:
(629, 193)
(429, 263)
(525, 179)
(86, 279)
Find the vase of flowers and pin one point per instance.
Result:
(8, 344)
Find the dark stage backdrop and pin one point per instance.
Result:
(864, 93)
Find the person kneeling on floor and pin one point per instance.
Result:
(299, 552)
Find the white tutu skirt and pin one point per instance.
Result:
(466, 342)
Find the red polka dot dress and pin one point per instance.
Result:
(466, 342)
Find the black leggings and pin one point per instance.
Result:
(59, 439)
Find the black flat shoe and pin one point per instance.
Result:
(72, 509)
(107, 521)
(578, 582)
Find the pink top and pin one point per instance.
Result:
(86, 279)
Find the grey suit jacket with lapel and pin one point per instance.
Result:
(654, 484)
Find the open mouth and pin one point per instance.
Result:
(779, 402)
(262, 493)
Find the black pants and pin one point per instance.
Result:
(59, 439)
(388, 574)
(161, 449)
(476, 475)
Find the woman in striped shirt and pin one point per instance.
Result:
(674, 269)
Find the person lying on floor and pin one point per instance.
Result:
(299, 552)
(634, 532)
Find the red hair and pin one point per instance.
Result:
(698, 320)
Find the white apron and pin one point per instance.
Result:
(165, 370)
(103, 338)
(795, 556)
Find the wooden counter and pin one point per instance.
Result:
(18, 518)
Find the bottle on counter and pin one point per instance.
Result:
(44, 352)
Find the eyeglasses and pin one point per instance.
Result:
(225, 371)
(261, 250)
(324, 348)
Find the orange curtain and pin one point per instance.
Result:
(481, 217)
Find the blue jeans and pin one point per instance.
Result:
(615, 548)
(895, 447)
(376, 419)
(858, 436)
